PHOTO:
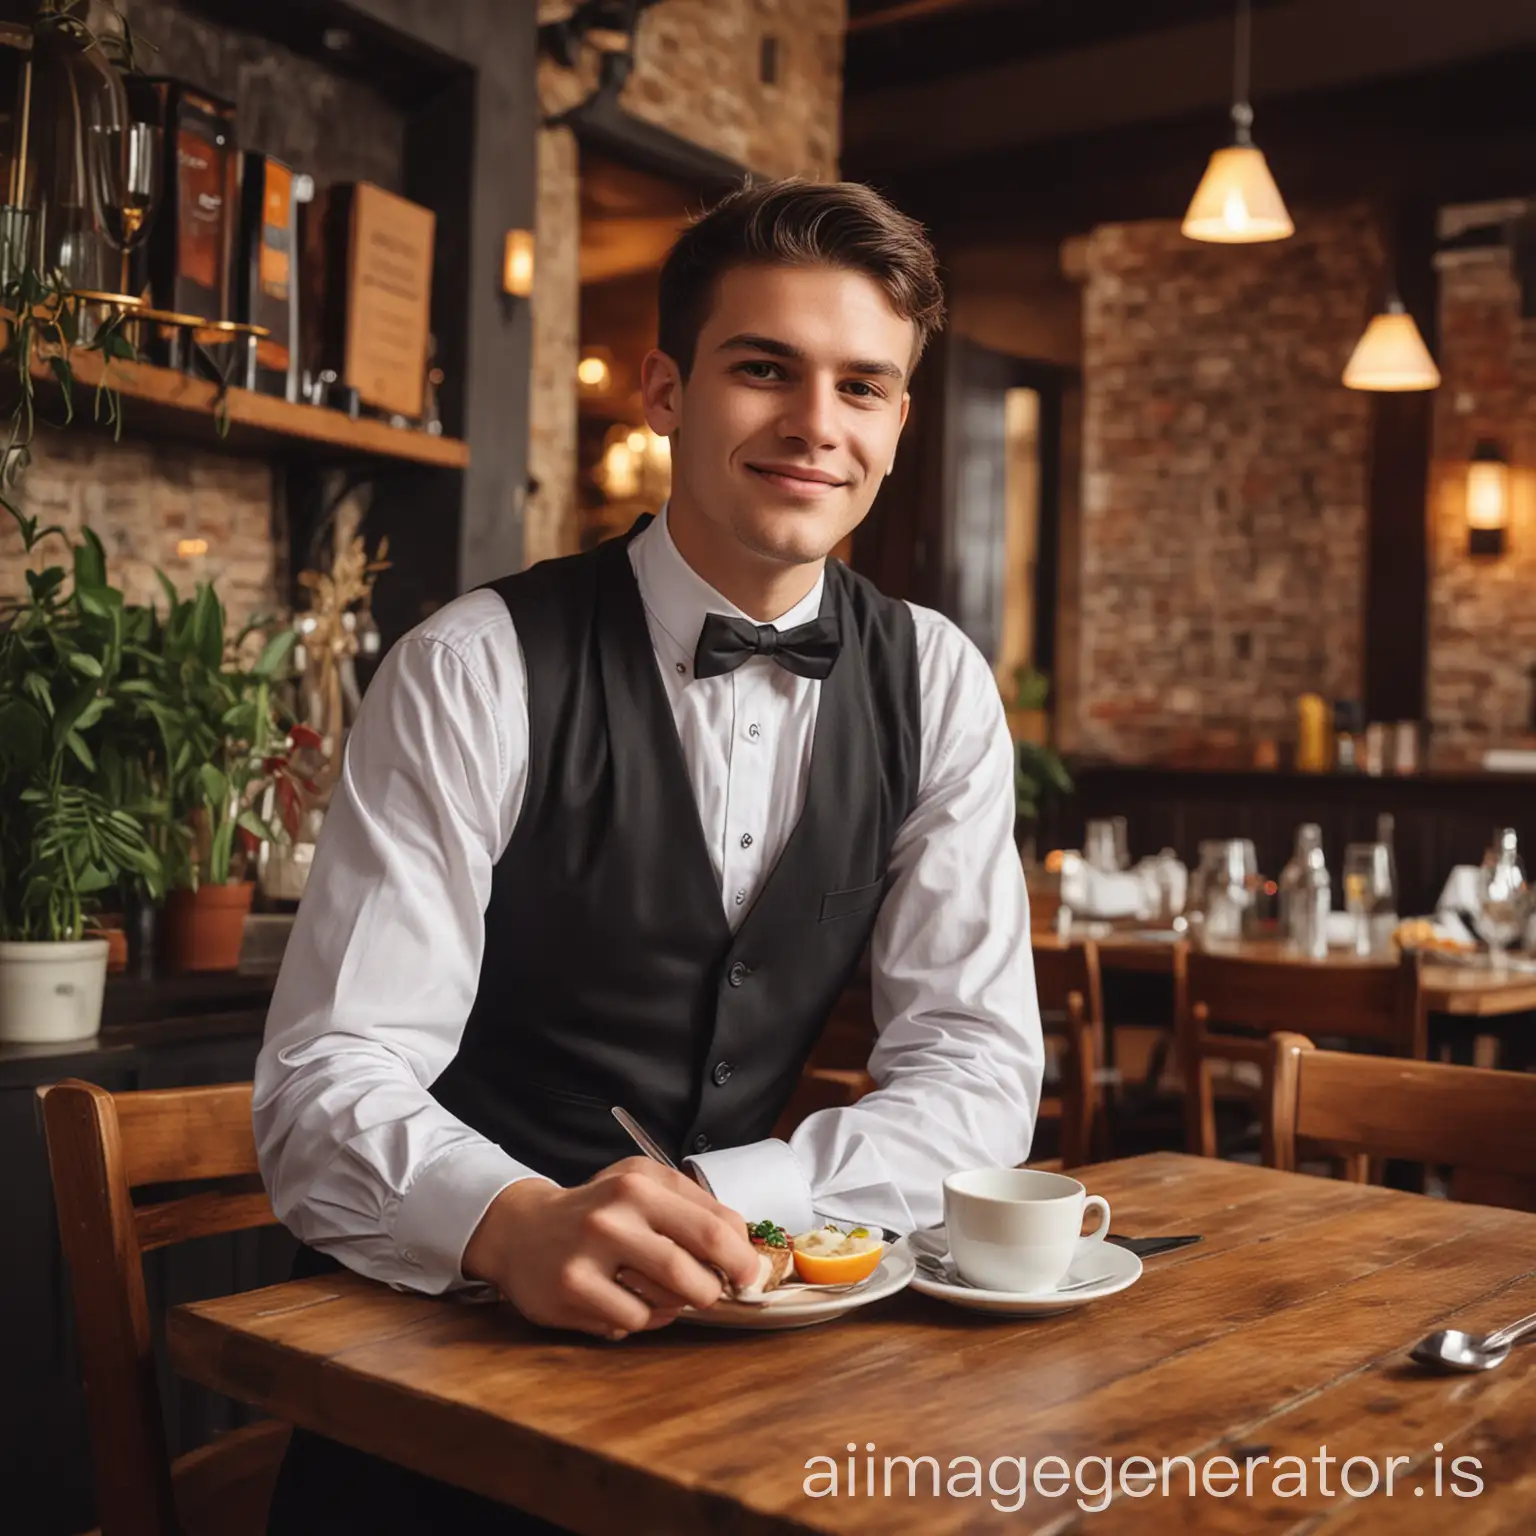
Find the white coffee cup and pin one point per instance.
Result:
(1016, 1229)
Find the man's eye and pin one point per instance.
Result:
(865, 390)
(757, 369)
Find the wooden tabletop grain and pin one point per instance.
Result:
(1470, 990)
(1281, 1334)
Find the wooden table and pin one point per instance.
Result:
(1282, 1333)
(1467, 991)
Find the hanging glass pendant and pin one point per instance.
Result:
(1391, 355)
(1237, 201)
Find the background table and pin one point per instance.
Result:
(1283, 1331)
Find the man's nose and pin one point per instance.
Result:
(810, 415)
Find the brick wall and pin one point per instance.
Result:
(697, 73)
(1482, 620)
(142, 498)
(1224, 493)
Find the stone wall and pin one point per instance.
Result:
(143, 498)
(1482, 618)
(697, 73)
(1224, 490)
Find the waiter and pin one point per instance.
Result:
(617, 830)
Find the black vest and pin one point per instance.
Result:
(611, 975)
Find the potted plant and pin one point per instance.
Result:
(73, 826)
(223, 746)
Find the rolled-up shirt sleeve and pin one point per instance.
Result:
(383, 962)
(959, 1057)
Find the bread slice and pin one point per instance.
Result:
(775, 1260)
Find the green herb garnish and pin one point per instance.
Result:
(766, 1233)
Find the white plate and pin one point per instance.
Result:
(1119, 1267)
(801, 1305)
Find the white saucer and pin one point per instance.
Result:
(1119, 1267)
(800, 1306)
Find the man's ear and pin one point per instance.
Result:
(661, 389)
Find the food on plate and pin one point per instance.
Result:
(1421, 933)
(828, 1255)
(774, 1257)
(832, 1256)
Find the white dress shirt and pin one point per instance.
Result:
(384, 958)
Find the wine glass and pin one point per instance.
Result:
(1367, 888)
(127, 166)
(1505, 898)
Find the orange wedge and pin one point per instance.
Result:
(838, 1269)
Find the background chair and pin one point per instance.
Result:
(1342, 1103)
(101, 1147)
(1226, 1004)
(1070, 989)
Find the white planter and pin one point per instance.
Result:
(51, 992)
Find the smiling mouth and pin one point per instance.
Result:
(805, 482)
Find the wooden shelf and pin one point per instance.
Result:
(160, 402)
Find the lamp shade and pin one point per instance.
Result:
(1391, 355)
(1237, 201)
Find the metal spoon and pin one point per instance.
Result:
(1453, 1350)
(944, 1271)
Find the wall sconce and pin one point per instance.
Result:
(517, 264)
(1487, 499)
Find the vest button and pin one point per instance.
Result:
(737, 974)
(722, 1073)
(701, 1142)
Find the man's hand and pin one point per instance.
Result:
(624, 1252)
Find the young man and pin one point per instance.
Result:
(616, 831)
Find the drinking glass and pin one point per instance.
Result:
(1505, 900)
(1367, 888)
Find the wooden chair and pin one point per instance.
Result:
(101, 1147)
(1425, 1112)
(1070, 991)
(1215, 994)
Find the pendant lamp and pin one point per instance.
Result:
(1237, 201)
(1391, 356)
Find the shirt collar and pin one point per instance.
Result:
(678, 598)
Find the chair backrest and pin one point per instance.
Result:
(1422, 1111)
(101, 1147)
(1265, 994)
(1069, 987)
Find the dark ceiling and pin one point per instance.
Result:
(905, 42)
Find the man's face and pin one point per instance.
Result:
(789, 420)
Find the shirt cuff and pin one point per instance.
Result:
(440, 1210)
(762, 1181)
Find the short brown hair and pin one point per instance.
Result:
(798, 223)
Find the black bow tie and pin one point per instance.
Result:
(808, 650)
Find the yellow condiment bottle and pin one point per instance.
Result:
(1313, 753)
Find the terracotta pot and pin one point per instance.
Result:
(202, 930)
(109, 926)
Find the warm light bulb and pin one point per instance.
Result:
(592, 372)
(191, 549)
(637, 441)
(1487, 496)
(1237, 201)
(517, 263)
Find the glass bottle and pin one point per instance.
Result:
(1505, 895)
(1311, 902)
(1308, 836)
(1385, 914)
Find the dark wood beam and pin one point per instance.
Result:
(1301, 45)
(1464, 133)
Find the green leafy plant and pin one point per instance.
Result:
(1038, 771)
(73, 823)
(223, 742)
